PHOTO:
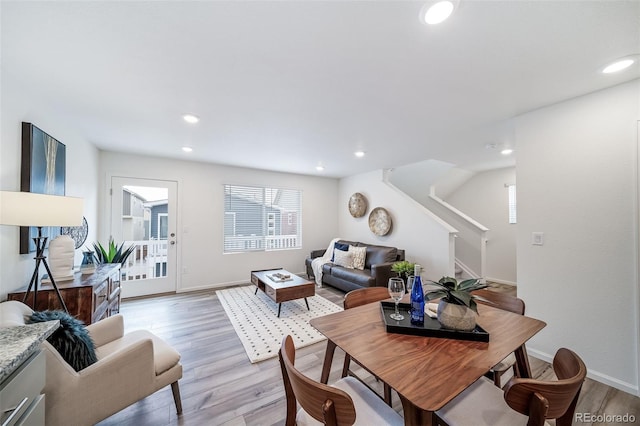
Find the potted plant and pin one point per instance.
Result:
(112, 253)
(457, 308)
(404, 269)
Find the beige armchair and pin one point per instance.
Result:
(130, 367)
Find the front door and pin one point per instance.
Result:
(143, 213)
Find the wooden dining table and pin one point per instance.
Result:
(426, 372)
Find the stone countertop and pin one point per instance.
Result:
(19, 342)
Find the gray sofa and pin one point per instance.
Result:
(376, 273)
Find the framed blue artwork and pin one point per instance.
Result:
(42, 171)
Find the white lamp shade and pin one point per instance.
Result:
(31, 209)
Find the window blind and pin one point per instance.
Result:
(260, 218)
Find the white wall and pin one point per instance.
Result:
(485, 199)
(201, 211)
(19, 104)
(416, 179)
(424, 240)
(576, 170)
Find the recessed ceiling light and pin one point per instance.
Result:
(506, 151)
(319, 168)
(618, 65)
(359, 154)
(187, 149)
(190, 118)
(436, 12)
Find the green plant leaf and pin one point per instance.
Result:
(462, 296)
(450, 290)
(474, 306)
(471, 284)
(112, 253)
(436, 294)
(403, 268)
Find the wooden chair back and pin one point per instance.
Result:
(542, 400)
(324, 403)
(500, 300)
(363, 296)
(359, 297)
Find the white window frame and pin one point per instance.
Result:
(512, 204)
(261, 232)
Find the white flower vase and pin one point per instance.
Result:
(456, 317)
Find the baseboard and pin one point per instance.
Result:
(227, 284)
(214, 286)
(499, 281)
(592, 374)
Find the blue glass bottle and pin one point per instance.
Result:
(417, 298)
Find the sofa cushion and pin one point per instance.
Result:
(356, 276)
(338, 246)
(71, 339)
(343, 258)
(359, 255)
(380, 254)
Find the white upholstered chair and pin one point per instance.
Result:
(130, 367)
(347, 402)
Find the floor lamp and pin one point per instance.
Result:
(31, 209)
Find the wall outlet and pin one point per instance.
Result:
(537, 238)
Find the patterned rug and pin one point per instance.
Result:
(254, 318)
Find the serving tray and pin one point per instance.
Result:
(431, 327)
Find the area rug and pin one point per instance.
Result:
(254, 318)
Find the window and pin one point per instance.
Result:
(261, 219)
(163, 226)
(512, 203)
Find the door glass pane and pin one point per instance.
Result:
(145, 224)
(163, 226)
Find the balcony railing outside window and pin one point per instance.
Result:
(261, 219)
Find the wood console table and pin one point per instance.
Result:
(89, 298)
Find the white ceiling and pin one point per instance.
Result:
(288, 85)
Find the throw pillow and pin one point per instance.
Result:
(339, 246)
(359, 256)
(71, 339)
(343, 258)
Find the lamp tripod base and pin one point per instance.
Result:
(40, 258)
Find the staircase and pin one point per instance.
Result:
(470, 236)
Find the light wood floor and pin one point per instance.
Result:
(221, 387)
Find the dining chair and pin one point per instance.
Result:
(347, 402)
(506, 303)
(359, 297)
(523, 401)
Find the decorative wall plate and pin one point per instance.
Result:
(379, 221)
(357, 205)
(77, 233)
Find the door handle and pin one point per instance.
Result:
(172, 242)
